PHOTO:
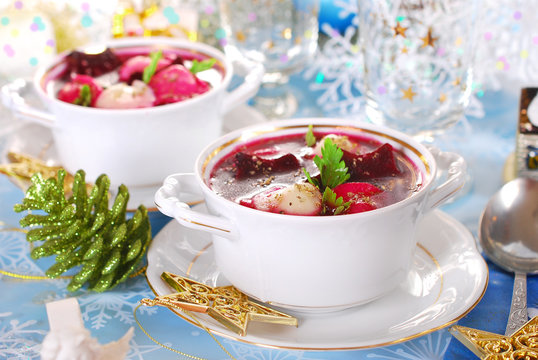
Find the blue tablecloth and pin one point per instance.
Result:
(484, 142)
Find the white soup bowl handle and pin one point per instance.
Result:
(456, 169)
(13, 100)
(167, 199)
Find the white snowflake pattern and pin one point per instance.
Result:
(337, 71)
(18, 340)
(137, 351)
(118, 303)
(15, 254)
(249, 352)
(15, 257)
(429, 347)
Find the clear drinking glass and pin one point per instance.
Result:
(280, 34)
(418, 57)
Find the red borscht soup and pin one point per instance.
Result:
(317, 174)
(132, 77)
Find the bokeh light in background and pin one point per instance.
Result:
(32, 32)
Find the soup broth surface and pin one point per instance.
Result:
(223, 179)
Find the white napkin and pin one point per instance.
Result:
(68, 339)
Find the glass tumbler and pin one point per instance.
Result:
(418, 61)
(280, 34)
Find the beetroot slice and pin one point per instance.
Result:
(92, 64)
(358, 193)
(377, 163)
(249, 165)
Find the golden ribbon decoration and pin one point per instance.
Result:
(193, 318)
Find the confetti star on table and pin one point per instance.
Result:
(523, 344)
(428, 40)
(442, 98)
(240, 36)
(399, 30)
(225, 304)
(405, 50)
(408, 94)
(457, 81)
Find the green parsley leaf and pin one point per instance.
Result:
(149, 70)
(85, 96)
(310, 138)
(310, 179)
(332, 169)
(333, 172)
(198, 66)
(333, 204)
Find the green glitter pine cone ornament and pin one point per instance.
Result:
(82, 230)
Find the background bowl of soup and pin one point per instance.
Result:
(303, 257)
(128, 142)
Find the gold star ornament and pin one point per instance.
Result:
(523, 344)
(428, 40)
(408, 94)
(225, 304)
(399, 30)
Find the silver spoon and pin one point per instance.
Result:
(508, 233)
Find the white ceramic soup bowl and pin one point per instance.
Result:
(317, 263)
(129, 145)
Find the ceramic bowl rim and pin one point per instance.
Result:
(223, 143)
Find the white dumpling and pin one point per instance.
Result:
(341, 141)
(123, 96)
(296, 199)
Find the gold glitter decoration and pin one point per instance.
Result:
(442, 98)
(22, 167)
(428, 40)
(405, 50)
(399, 30)
(130, 20)
(522, 345)
(225, 304)
(408, 94)
(457, 82)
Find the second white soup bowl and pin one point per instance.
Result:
(129, 145)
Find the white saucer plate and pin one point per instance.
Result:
(448, 278)
(37, 141)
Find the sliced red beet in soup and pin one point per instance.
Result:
(251, 165)
(375, 164)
